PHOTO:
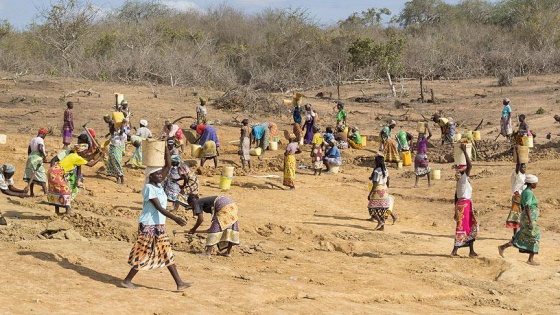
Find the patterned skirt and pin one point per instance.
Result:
(209, 149)
(317, 157)
(421, 166)
(381, 203)
(528, 239)
(289, 170)
(114, 165)
(514, 217)
(224, 229)
(62, 187)
(467, 226)
(245, 148)
(390, 150)
(35, 159)
(66, 136)
(136, 159)
(152, 248)
(505, 127)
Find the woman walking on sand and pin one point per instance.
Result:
(518, 177)
(68, 125)
(528, 238)
(467, 226)
(290, 162)
(152, 248)
(421, 167)
(380, 204)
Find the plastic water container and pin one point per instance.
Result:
(3, 139)
(457, 137)
(225, 182)
(364, 141)
(117, 118)
(255, 151)
(435, 174)
(458, 155)
(118, 98)
(335, 169)
(406, 158)
(476, 135)
(421, 127)
(399, 165)
(523, 154)
(273, 146)
(527, 141)
(196, 150)
(301, 141)
(153, 153)
(228, 171)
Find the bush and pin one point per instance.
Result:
(505, 78)
(540, 111)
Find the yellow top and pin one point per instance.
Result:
(71, 161)
(317, 139)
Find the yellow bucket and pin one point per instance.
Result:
(406, 158)
(196, 150)
(225, 182)
(364, 141)
(527, 141)
(523, 154)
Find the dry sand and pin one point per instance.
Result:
(304, 251)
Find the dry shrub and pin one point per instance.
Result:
(505, 78)
(246, 99)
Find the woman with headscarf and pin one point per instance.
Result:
(210, 143)
(447, 127)
(290, 162)
(171, 130)
(467, 227)
(245, 138)
(388, 145)
(332, 156)
(116, 151)
(224, 229)
(152, 248)
(341, 115)
(518, 184)
(61, 177)
(174, 188)
(380, 204)
(317, 151)
(7, 172)
(68, 125)
(311, 119)
(328, 136)
(528, 238)
(297, 113)
(421, 167)
(506, 128)
(355, 139)
(36, 156)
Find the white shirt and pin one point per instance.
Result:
(378, 176)
(118, 140)
(144, 132)
(35, 142)
(517, 182)
(4, 184)
(201, 110)
(464, 188)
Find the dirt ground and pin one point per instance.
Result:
(304, 251)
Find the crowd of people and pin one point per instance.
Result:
(177, 184)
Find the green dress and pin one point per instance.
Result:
(526, 239)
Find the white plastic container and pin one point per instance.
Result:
(228, 171)
(273, 146)
(435, 174)
(458, 155)
(3, 139)
(153, 153)
(334, 169)
(255, 151)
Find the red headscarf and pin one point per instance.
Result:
(43, 131)
(91, 132)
